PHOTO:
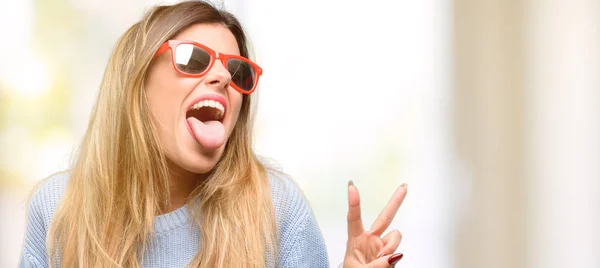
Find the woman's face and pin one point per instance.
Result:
(194, 116)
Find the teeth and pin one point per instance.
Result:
(209, 103)
(220, 107)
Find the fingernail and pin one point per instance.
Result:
(350, 182)
(395, 258)
(404, 185)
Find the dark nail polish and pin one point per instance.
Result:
(395, 258)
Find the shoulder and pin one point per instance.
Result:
(288, 199)
(43, 202)
(301, 243)
(47, 196)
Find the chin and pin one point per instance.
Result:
(201, 163)
(200, 168)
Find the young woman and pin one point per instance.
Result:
(166, 176)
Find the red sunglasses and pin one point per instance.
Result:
(194, 60)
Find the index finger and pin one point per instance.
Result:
(355, 226)
(386, 216)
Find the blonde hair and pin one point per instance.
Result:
(119, 182)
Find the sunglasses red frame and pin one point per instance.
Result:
(224, 58)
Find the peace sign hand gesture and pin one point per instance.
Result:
(367, 248)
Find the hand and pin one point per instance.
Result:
(368, 248)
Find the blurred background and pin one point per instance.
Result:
(489, 110)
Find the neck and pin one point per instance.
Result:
(181, 185)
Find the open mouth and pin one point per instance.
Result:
(207, 110)
(204, 120)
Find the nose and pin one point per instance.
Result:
(217, 76)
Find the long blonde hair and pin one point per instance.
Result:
(119, 181)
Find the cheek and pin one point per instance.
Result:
(165, 94)
(158, 99)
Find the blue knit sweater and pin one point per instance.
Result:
(300, 241)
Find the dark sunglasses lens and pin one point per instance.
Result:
(242, 74)
(191, 59)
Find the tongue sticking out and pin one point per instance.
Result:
(210, 134)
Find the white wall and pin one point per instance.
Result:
(564, 94)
